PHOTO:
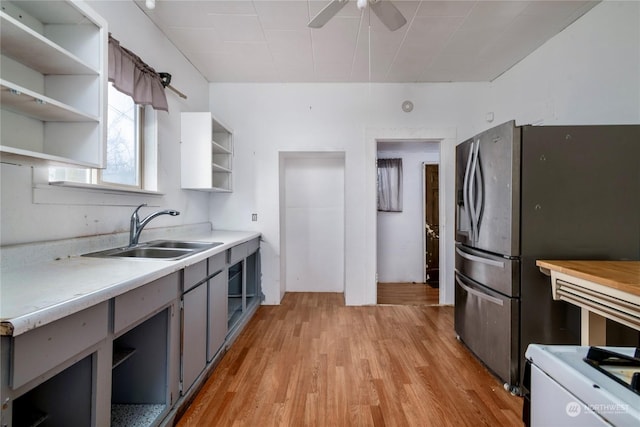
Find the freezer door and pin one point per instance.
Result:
(488, 190)
(487, 322)
(495, 272)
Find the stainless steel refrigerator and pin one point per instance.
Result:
(538, 192)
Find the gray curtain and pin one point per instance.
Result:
(390, 185)
(131, 75)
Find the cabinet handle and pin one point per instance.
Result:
(480, 259)
(479, 294)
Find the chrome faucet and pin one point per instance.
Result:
(137, 225)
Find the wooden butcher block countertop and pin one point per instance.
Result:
(621, 275)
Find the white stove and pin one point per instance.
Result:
(566, 390)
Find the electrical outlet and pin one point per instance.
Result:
(254, 217)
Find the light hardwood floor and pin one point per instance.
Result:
(312, 361)
(407, 294)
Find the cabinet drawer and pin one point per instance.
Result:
(193, 275)
(237, 253)
(38, 351)
(140, 302)
(217, 263)
(253, 245)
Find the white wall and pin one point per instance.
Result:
(24, 221)
(587, 74)
(269, 118)
(400, 235)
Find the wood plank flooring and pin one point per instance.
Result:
(407, 294)
(312, 361)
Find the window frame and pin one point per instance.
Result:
(139, 121)
(147, 142)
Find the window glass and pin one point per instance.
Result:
(123, 142)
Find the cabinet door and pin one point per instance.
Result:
(194, 332)
(217, 313)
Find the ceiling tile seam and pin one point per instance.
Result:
(155, 24)
(406, 34)
(266, 41)
(446, 43)
(355, 49)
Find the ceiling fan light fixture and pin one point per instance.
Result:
(150, 4)
(361, 4)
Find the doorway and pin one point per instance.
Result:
(431, 225)
(312, 221)
(401, 244)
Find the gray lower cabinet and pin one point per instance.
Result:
(116, 363)
(146, 352)
(194, 332)
(244, 287)
(120, 362)
(217, 314)
(49, 376)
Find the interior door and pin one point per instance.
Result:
(432, 209)
(314, 223)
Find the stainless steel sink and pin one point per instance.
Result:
(177, 244)
(157, 249)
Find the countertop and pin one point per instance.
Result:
(45, 292)
(621, 275)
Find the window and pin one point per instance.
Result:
(125, 148)
(125, 121)
(390, 185)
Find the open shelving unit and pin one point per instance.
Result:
(206, 153)
(53, 88)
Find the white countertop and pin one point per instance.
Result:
(38, 294)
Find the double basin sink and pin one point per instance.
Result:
(156, 249)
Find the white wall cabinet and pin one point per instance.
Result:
(206, 153)
(53, 77)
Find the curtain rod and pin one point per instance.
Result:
(166, 80)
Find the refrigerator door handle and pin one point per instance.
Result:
(479, 259)
(479, 203)
(465, 192)
(472, 195)
(479, 294)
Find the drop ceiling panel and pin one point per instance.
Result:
(283, 15)
(445, 40)
(238, 28)
(445, 8)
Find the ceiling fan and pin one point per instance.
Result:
(384, 9)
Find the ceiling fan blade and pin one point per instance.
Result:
(327, 13)
(388, 14)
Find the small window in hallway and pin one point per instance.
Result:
(390, 185)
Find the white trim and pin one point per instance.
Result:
(78, 194)
(447, 139)
(102, 187)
